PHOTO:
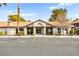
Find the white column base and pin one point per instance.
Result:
(44, 30)
(54, 31)
(34, 31)
(25, 31)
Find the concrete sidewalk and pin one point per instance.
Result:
(38, 36)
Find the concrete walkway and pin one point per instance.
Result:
(37, 36)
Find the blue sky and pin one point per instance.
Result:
(35, 11)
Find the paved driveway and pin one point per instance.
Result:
(39, 46)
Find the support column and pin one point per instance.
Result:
(44, 30)
(69, 31)
(62, 31)
(34, 30)
(54, 31)
(65, 31)
(73, 31)
(25, 31)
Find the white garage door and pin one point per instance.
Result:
(11, 31)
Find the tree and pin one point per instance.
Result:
(15, 18)
(1, 4)
(77, 31)
(58, 14)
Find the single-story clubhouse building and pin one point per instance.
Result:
(38, 27)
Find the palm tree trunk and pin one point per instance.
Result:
(18, 18)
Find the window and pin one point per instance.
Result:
(30, 30)
(49, 31)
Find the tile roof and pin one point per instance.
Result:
(61, 24)
(75, 21)
(3, 24)
(13, 24)
(21, 24)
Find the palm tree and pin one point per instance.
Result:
(55, 13)
(58, 14)
(14, 18)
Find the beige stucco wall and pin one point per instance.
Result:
(11, 31)
(42, 24)
(3, 29)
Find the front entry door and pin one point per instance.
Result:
(39, 31)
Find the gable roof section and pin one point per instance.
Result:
(41, 21)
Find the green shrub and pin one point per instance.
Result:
(71, 32)
(2, 33)
(21, 33)
(77, 31)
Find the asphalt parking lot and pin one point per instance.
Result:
(39, 46)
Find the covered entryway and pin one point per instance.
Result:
(39, 30)
(39, 27)
(49, 31)
(29, 30)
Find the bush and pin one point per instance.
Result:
(77, 31)
(71, 32)
(2, 33)
(21, 33)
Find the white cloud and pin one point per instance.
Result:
(13, 11)
(29, 14)
(52, 7)
(76, 15)
(10, 11)
(65, 4)
(60, 5)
